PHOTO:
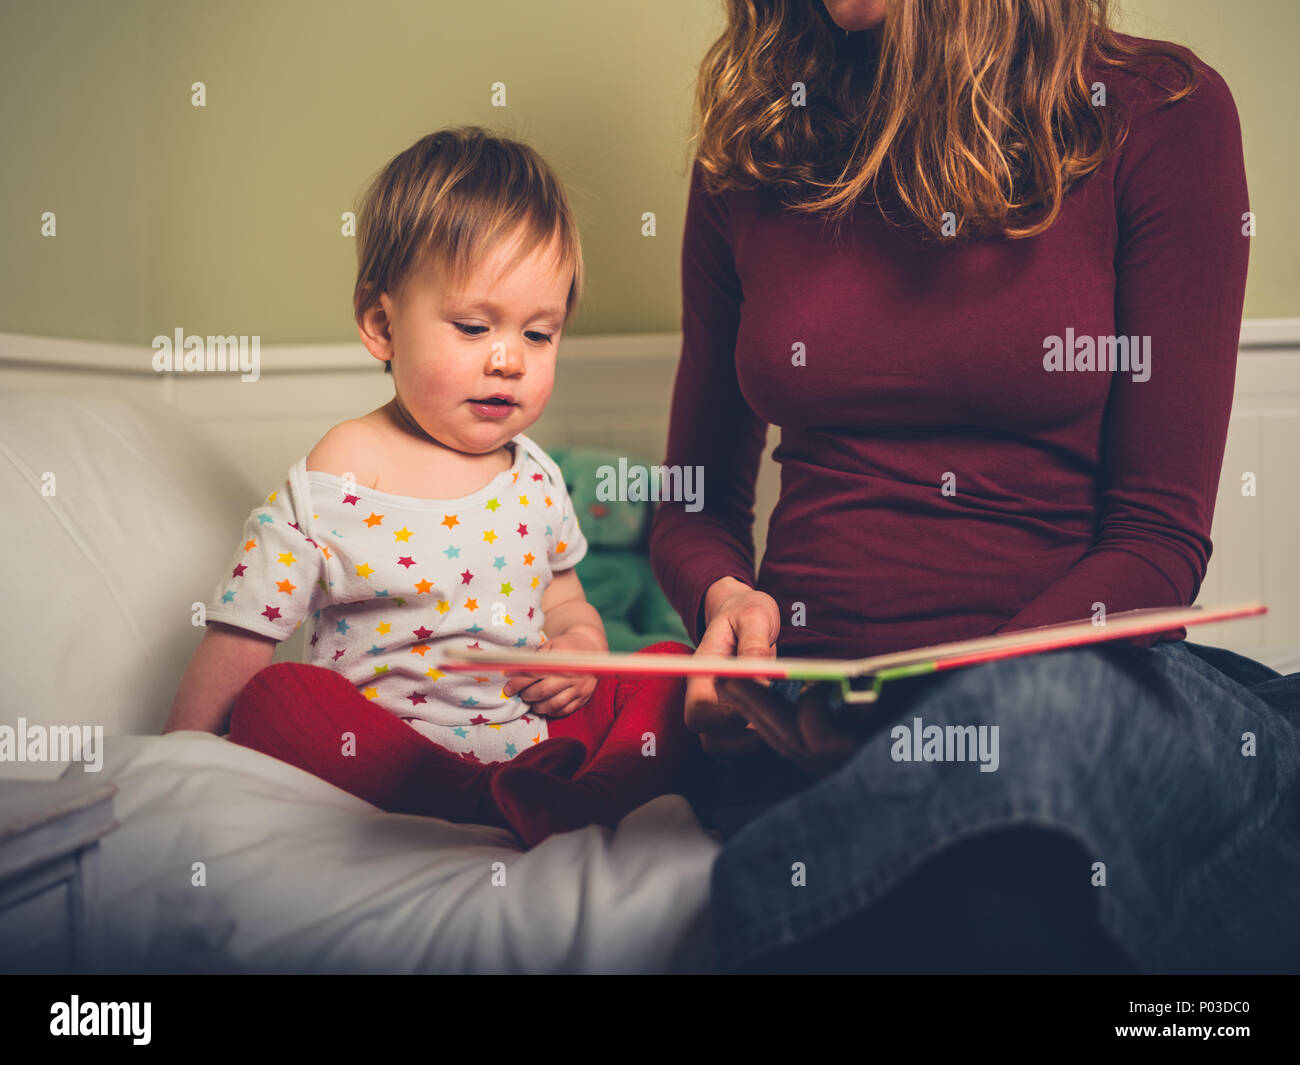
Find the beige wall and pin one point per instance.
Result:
(225, 219)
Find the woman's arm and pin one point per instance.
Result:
(1180, 279)
(711, 424)
(704, 560)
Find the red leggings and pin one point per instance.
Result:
(594, 769)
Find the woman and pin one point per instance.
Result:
(983, 262)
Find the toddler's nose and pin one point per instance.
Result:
(504, 357)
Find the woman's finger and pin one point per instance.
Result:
(818, 726)
(829, 739)
(704, 710)
(744, 744)
(706, 713)
(771, 720)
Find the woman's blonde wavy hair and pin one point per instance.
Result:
(981, 108)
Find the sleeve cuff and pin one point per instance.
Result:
(261, 628)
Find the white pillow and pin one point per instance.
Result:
(100, 576)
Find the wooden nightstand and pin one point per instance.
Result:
(49, 839)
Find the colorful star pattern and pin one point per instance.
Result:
(381, 585)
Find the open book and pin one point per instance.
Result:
(868, 673)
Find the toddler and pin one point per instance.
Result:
(435, 521)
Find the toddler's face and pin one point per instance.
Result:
(497, 334)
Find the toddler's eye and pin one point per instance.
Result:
(469, 330)
(545, 337)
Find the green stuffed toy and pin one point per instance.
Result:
(615, 572)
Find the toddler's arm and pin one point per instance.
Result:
(225, 660)
(566, 613)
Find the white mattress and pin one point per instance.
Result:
(303, 877)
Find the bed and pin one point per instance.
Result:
(298, 876)
(303, 877)
(116, 512)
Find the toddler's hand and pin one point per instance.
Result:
(555, 694)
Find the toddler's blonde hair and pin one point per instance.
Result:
(447, 201)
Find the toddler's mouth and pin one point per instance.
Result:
(495, 406)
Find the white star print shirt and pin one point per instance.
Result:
(383, 579)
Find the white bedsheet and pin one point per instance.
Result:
(301, 876)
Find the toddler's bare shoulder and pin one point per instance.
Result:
(348, 448)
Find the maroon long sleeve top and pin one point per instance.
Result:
(938, 482)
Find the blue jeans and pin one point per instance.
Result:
(1176, 769)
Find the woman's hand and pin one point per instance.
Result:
(809, 733)
(739, 621)
(557, 694)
